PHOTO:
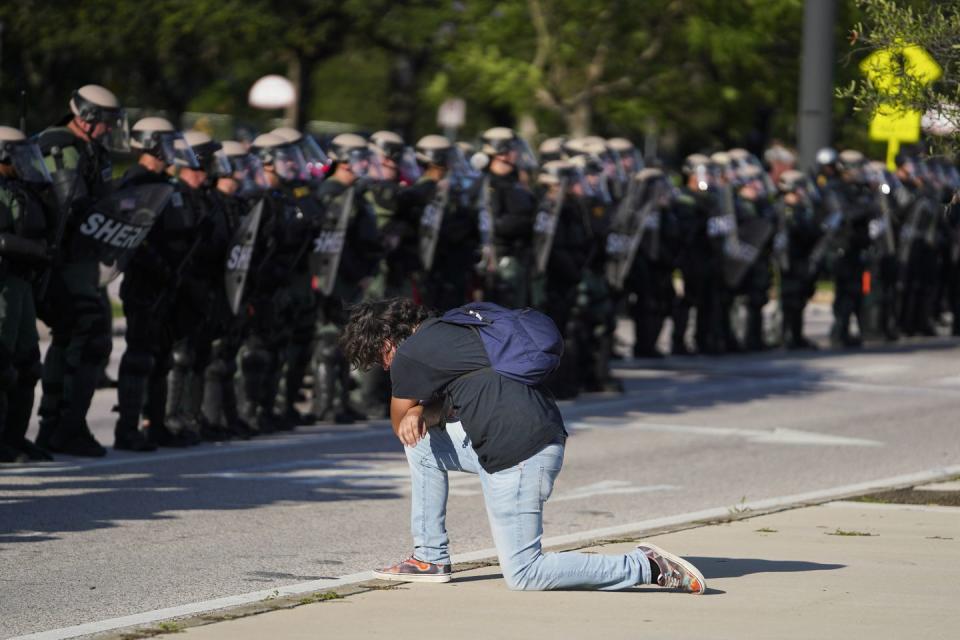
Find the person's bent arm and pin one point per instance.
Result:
(406, 417)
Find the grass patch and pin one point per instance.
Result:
(321, 597)
(844, 532)
(739, 508)
(766, 530)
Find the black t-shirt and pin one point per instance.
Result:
(507, 421)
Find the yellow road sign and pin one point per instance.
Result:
(885, 68)
(890, 124)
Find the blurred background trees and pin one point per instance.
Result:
(682, 74)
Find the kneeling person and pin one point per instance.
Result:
(508, 433)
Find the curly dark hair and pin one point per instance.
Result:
(372, 323)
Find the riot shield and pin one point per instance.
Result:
(485, 224)
(112, 229)
(430, 222)
(328, 245)
(742, 250)
(831, 226)
(239, 256)
(545, 227)
(629, 229)
(917, 227)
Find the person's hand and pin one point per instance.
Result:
(412, 428)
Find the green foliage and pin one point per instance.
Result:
(892, 25)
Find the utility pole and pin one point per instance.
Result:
(816, 80)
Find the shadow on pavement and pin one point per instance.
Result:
(738, 567)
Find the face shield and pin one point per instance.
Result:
(219, 165)
(248, 172)
(363, 163)
(525, 160)
(116, 138)
(316, 160)
(28, 162)
(593, 182)
(460, 172)
(174, 150)
(408, 169)
(706, 179)
(289, 163)
(629, 162)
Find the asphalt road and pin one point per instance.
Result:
(82, 540)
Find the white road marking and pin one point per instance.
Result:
(949, 381)
(875, 370)
(633, 528)
(776, 436)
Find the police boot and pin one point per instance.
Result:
(51, 397)
(177, 419)
(19, 406)
(324, 390)
(347, 413)
(680, 314)
(298, 360)
(647, 332)
(253, 364)
(131, 390)
(754, 336)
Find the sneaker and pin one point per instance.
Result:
(675, 572)
(413, 570)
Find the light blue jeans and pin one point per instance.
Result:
(514, 499)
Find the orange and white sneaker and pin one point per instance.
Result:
(413, 570)
(675, 572)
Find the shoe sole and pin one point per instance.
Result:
(406, 577)
(683, 563)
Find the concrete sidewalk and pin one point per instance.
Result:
(838, 570)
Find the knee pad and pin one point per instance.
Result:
(183, 356)
(254, 360)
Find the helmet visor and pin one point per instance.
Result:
(317, 161)
(28, 162)
(248, 172)
(175, 151)
(117, 135)
(289, 164)
(219, 165)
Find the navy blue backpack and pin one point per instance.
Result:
(522, 344)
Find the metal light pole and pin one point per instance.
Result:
(816, 80)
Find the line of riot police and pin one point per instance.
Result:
(240, 261)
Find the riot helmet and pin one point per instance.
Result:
(698, 166)
(209, 154)
(282, 158)
(850, 163)
(353, 152)
(434, 150)
(317, 161)
(398, 161)
(101, 116)
(246, 169)
(23, 155)
(627, 155)
(551, 149)
(157, 137)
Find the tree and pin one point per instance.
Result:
(893, 26)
